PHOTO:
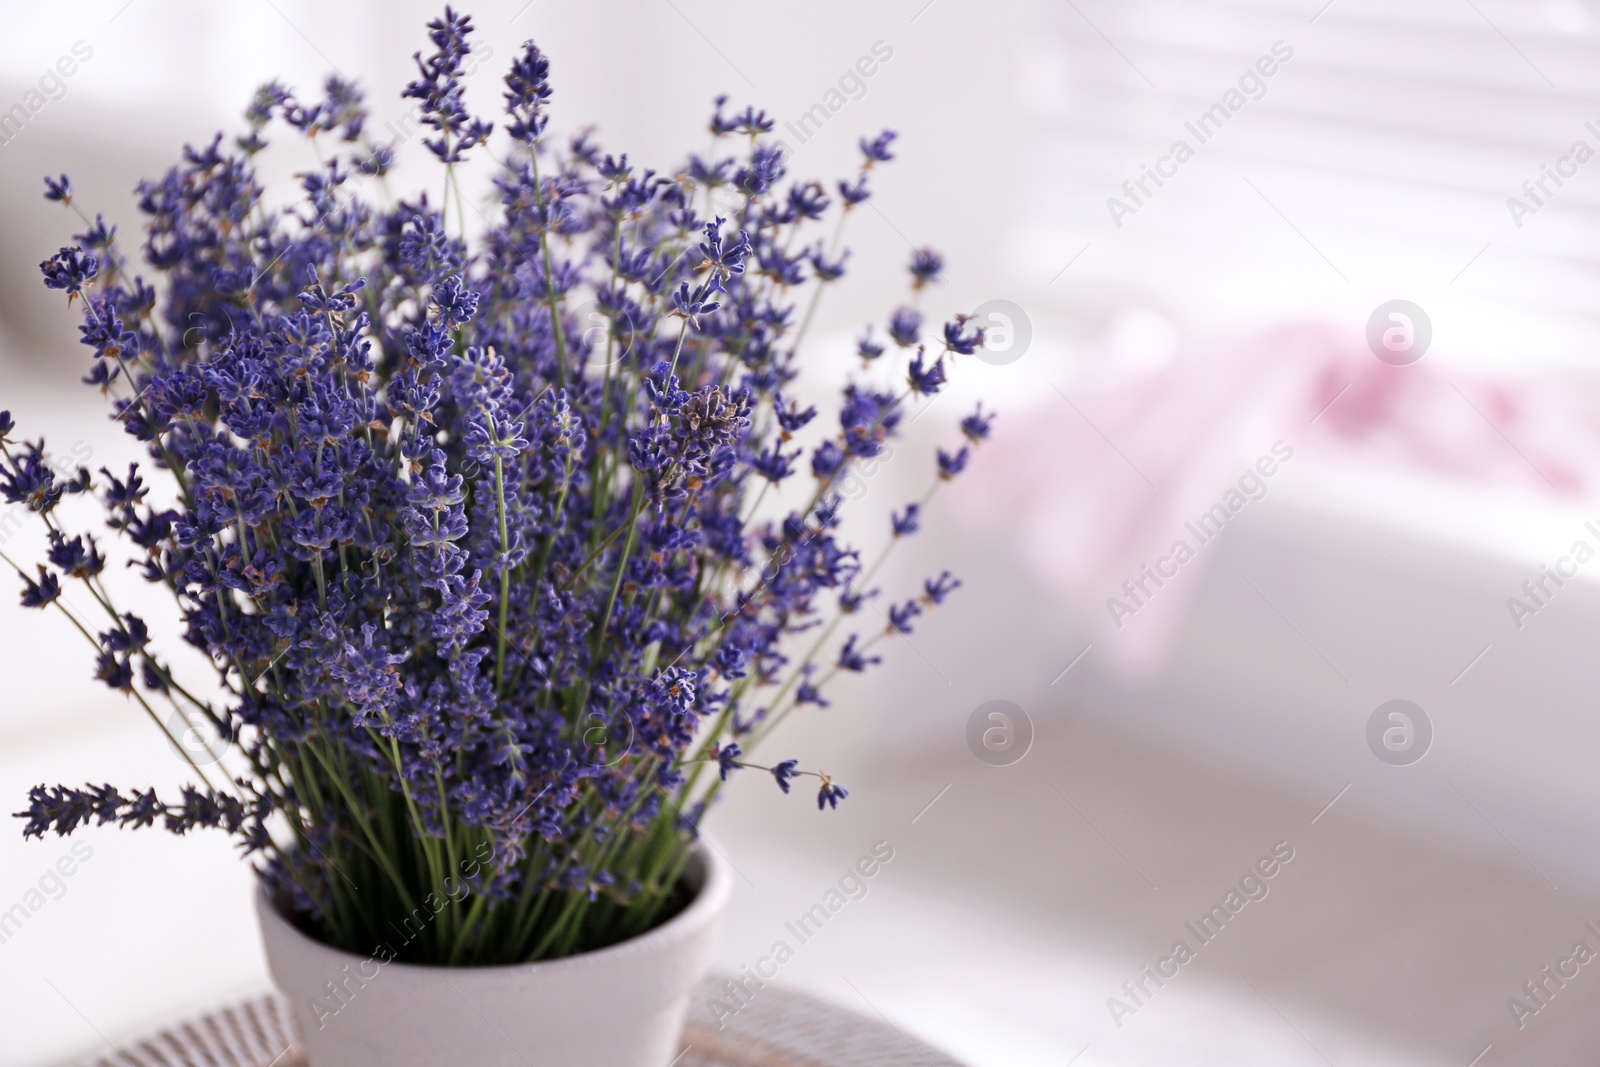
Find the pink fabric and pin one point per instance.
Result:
(1105, 479)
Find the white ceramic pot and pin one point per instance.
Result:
(622, 1006)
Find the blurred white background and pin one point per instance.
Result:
(1176, 335)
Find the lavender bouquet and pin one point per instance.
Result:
(473, 533)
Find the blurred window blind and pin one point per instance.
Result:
(1374, 162)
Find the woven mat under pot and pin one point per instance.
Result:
(778, 1028)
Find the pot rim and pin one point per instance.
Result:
(710, 900)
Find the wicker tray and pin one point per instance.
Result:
(777, 1029)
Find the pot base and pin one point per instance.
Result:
(621, 1006)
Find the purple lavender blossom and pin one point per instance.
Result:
(490, 593)
(927, 267)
